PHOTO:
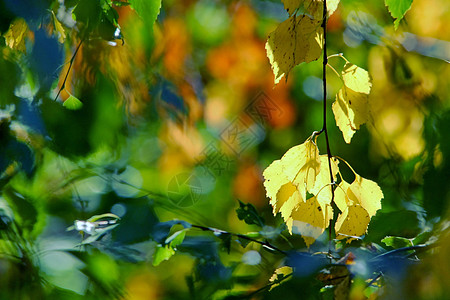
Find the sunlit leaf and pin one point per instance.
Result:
(296, 40)
(366, 193)
(310, 219)
(15, 36)
(280, 275)
(176, 239)
(312, 7)
(352, 222)
(72, 103)
(162, 253)
(275, 179)
(59, 29)
(398, 9)
(322, 186)
(396, 242)
(147, 10)
(351, 110)
(356, 78)
(301, 164)
(340, 195)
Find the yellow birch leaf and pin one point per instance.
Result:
(322, 187)
(287, 203)
(341, 199)
(301, 164)
(312, 7)
(351, 110)
(310, 219)
(296, 40)
(352, 222)
(59, 29)
(274, 180)
(279, 276)
(356, 78)
(366, 193)
(15, 36)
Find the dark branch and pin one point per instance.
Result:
(263, 243)
(63, 86)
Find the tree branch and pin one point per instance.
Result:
(63, 86)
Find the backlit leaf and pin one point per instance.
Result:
(312, 7)
(147, 10)
(162, 253)
(296, 40)
(396, 242)
(356, 78)
(398, 9)
(366, 193)
(352, 222)
(59, 29)
(15, 36)
(280, 275)
(72, 103)
(351, 110)
(310, 219)
(301, 164)
(322, 187)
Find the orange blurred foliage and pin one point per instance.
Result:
(247, 185)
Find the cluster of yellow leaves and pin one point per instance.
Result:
(299, 38)
(302, 172)
(351, 108)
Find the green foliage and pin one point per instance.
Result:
(398, 9)
(72, 103)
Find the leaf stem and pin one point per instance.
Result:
(341, 55)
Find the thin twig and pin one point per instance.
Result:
(63, 86)
(220, 231)
(324, 127)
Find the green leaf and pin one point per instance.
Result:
(422, 238)
(396, 242)
(72, 103)
(249, 214)
(162, 253)
(398, 9)
(147, 10)
(103, 216)
(176, 239)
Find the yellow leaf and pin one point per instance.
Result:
(351, 110)
(310, 219)
(341, 199)
(296, 40)
(15, 36)
(287, 203)
(366, 193)
(59, 29)
(280, 275)
(312, 7)
(301, 164)
(274, 180)
(352, 222)
(356, 78)
(322, 187)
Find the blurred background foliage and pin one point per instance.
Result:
(172, 114)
